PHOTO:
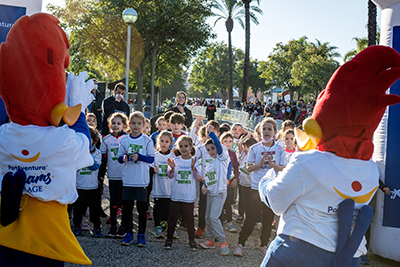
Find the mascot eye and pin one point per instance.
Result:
(50, 56)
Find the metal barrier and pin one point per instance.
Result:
(232, 116)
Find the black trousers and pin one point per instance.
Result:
(202, 210)
(186, 210)
(127, 215)
(115, 187)
(87, 198)
(256, 206)
(161, 210)
(244, 198)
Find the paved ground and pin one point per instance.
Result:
(109, 252)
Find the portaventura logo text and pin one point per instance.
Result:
(6, 24)
(36, 180)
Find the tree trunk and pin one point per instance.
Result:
(141, 72)
(371, 23)
(229, 27)
(291, 90)
(223, 93)
(246, 51)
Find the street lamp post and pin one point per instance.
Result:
(129, 16)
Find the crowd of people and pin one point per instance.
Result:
(186, 168)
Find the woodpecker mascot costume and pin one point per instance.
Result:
(322, 195)
(46, 141)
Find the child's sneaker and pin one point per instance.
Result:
(113, 231)
(199, 233)
(84, 224)
(258, 226)
(141, 240)
(207, 244)
(149, 216)
(264, 250)
(97, 232)
(224, 248)
(193, 245)
(158, 233)
(239, 250)
(195, 212)
(119, 211)
(231, 228)
(164, 225)
(168, 244)
(77, 231)
(239, 219)
(176, 235)
(121, 232)
(128, 239)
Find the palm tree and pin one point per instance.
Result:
(371, 23)
(229, 10)
(248, 15)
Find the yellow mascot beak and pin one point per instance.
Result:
(69, 114)
(311, 136)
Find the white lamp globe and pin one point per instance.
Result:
(129, 15)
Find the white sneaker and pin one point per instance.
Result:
(258, 226)
(84, 224)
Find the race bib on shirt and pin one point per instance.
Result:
(184, 177)
(85, 171)
(268, 154)
(134, 148)
(211, 178)
(244, 169)
(162, 170)
(234, 147)
(114, 153)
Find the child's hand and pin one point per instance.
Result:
(198, 122)
(125, 158)
(171, 163)
(262, 162)
(204, 189)
(210, 128)
(135, 157)
(155, 169)
(232, 183)
(194, 160)
(270, 162)
(386, 190)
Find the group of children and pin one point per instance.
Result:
(181, 172)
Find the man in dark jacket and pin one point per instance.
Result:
(114, 103)
(210, 111)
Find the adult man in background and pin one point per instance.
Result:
(114, 103)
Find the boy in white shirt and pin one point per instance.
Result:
(136, 152)
(215, 180)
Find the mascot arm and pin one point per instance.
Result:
(80, 126)
(284, 190)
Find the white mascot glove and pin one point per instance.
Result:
(79, 92)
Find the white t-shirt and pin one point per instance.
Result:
(308, 191)
(161, 183)
(110, 145)
(244, 175)
(136, 174)
(184, 184)
(255, 155)
(216, 172)
(50, 157)
(87, 179)
(203, 157)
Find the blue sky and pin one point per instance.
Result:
(333, 21)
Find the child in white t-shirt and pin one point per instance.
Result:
(215, 185)
(244, 178)
(109, 148)
(136, 153)
(87, 187)
(184, 170)
(262, 157)
(162, 185)
(289, 138)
